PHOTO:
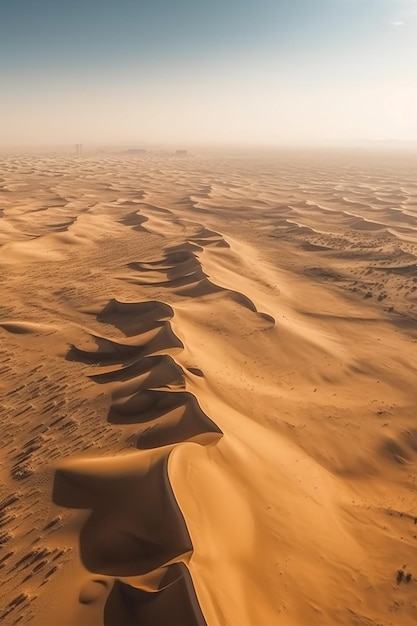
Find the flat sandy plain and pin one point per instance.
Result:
(208, 389)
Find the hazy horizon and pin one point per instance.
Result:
(260, 73)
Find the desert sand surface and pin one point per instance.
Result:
(208, 389)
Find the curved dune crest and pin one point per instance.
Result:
(134, 318)
(175, 602)
(154, 371)
(149, 387)
(124, 537)
(182, 272)
(160, 337)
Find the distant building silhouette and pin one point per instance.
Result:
(135, 151)
(78, 148)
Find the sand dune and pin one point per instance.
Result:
(208, 390)
(23, 328)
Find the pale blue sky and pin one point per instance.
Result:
(218, 71)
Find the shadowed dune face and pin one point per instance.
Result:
(133, 537)
(136, 530)
(125, 537)
(208, 390)
(134, 318)
(181, 271)
(157, 371)
(158, 338)
(148, 388)
(132, 606)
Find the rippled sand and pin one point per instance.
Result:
(208, 384)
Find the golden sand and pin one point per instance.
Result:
(208, 390)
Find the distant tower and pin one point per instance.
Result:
(78, 148)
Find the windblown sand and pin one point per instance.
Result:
(208, 390)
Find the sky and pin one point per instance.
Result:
(264, 72)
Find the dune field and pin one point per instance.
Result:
(208, 389)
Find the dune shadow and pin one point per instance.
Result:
(134, 318)
(174, 605)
